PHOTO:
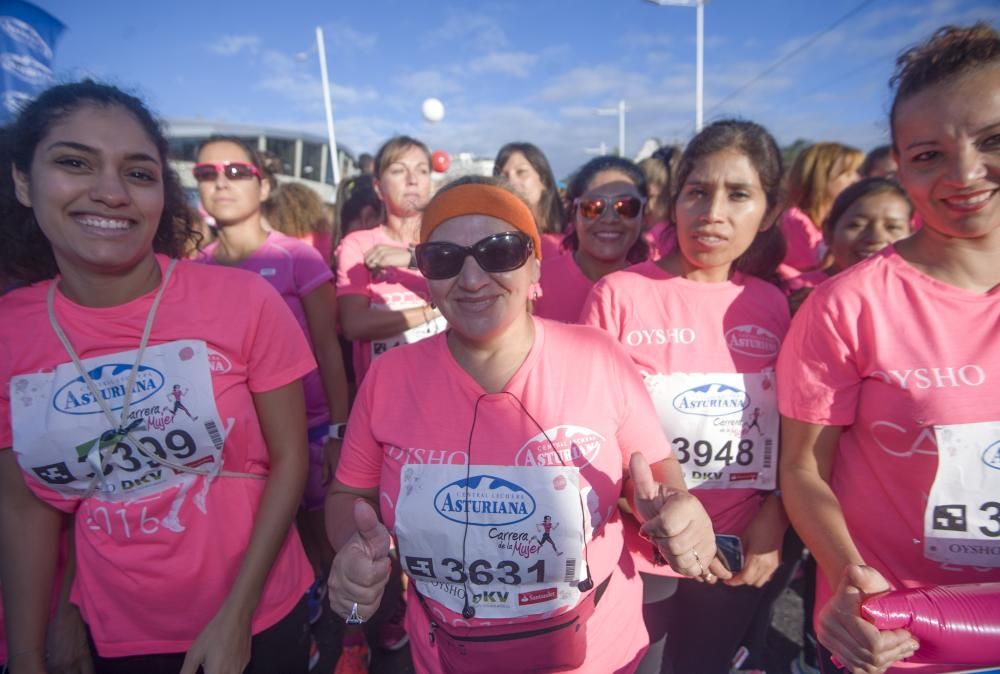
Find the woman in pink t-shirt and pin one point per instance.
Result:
(817, 176)
(607, 195)
(704, 330)
(888, 381)
(501, 479)
(232, 193)
(866, 217)
(184, 555)
(527, 170)
(382, 297)
(296, 210)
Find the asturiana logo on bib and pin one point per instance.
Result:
(110, 380)
(991, 455)
(570, 445)
(486, 501)
(712, 400)
(753, 340)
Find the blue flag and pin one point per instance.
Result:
(28, 37)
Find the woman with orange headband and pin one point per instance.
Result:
(501, 495)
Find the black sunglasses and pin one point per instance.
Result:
(439, 260)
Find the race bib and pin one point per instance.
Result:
(414, 334)
(723, 428)
(61, 432)
(523, 544)
(962, 519)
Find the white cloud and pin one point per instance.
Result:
(428, 82)
(480, 30)
(344, 36)
(296, 81)
(230, 45)
(515, 64)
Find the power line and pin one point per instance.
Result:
(792, 54)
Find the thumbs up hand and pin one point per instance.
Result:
(676, 522)
(361, 568)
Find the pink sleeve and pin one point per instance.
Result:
(276, 348)
(640, 429)
(353, 277)
(818, 380)
(601, 311)
(360, 464)
(309, 269)
(804, 239)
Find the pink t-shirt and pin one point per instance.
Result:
(595, 428)
(804, 238)
(792, 279)
(671, 325)
(889, 353)
(153, 569)
(295, 269)
(552, 245)
(392, 289)
(563, 289)
(662, 239)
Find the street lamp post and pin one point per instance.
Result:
(699, 74)
(334, 157)
(620, 111)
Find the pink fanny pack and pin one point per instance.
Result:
(552, 645)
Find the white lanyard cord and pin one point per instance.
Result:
(121, 425)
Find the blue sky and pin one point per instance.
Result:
(506, 70)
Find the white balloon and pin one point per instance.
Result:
(433, 110)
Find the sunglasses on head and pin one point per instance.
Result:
(438, 260)
(233, 170)
(626, 206)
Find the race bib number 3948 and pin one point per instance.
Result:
(723, 427)
(962, 519)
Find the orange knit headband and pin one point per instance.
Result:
(480, 199)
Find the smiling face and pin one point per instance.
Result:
(719, 211)
(523, 177)
(609, 236)
(480, 306)
(947, 145)
(870, 224)
(405, 184)
(96, 188)
(231, 201)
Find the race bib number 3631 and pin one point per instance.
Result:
(508, 539)
(723, 427)
(61, 432)
(962, 519)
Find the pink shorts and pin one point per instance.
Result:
(314, 496)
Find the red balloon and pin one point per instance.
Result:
(440, 161)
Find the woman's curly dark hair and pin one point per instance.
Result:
(27, 254)
(951, 52)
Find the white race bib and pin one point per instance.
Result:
(60, 431)
(411, 336)
(523, 541)
(723, 427)
(962, 519)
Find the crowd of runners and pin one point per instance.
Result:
(592, 429)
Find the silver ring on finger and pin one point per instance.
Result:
(710, 577)
(354, 618)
